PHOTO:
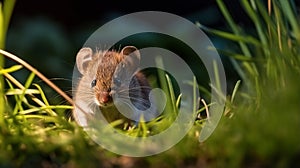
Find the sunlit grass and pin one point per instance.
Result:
(31, 117)
(261, 131)
(259, 127)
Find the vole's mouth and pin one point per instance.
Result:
(103, 99)
(104, 104)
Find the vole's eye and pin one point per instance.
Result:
(123, 65)
(117, 82)
(94, 82)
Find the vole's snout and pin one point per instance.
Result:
(103, 98)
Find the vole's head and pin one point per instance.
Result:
(110, 71)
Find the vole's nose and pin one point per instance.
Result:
(103, 97)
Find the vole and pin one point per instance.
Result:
(110, 83)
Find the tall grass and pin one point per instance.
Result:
(6, 9)
(272, 52)
(263, 129)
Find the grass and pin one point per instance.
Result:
(5, 14)
(259, 127)
(263, 128)
(31, 123)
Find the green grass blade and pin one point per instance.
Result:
(45, 118)
(235, 89)
(217, 87)
(2, 39)
(143, 129)
(37, 109)
(281, 30)
(12, 88)
(195, 98)
(286, 7)
(178, 101)
(249, 66)
(255, 19)
(11, 69)
(42, 94)
(217, 75)
(20, 92)
(228, 17)
(29, 80)
(203, 108)
(2, 32)
(230, 36)
(22, 96)
(236, 56)
(44, 101)
(164, 86)
(171, 92)
(7, 12)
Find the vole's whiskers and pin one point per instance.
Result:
(131, 94)
(141, 101)
(128, 103)
(134, 89)
(134, 98)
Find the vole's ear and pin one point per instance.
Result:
(129, 65)
(84, 56)
(133, 52)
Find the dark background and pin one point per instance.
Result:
(49, 33)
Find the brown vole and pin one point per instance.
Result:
(111, 83)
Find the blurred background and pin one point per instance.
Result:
(48, 34)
